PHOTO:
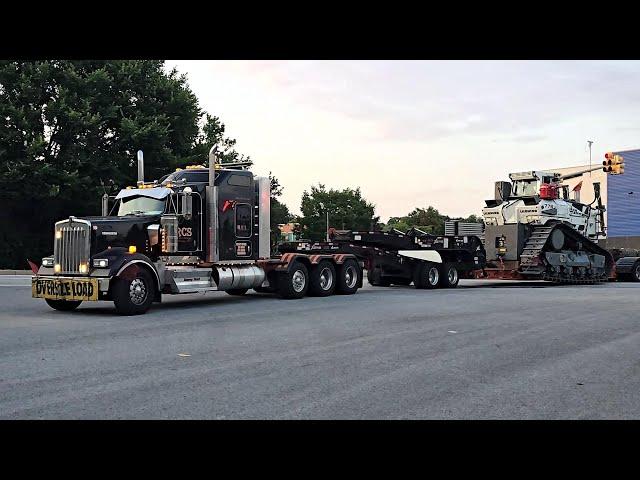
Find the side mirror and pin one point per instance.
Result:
(186, 204)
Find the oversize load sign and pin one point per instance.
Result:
(65, 288)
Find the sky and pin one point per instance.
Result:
(418, 133)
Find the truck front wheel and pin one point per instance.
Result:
(295, 282)
(63, 305)
(133, 291)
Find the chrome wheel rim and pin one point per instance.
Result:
(434, 276)
(298, 281)
(453, 275)
(638, 272)
(137, 291)
(326, 279)
(350, 276)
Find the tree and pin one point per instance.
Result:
(68, 126)
(212, 132)
(472, 219)
(347, 210)
(426, 219)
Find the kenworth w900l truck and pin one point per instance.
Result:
(200, 229)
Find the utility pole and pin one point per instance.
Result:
(590, 142)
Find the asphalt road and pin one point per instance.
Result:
(484, 350)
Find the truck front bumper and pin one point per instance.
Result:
(68, 288)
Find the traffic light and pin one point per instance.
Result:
(614, 164)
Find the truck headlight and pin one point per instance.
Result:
(100, 262)
(47, 262)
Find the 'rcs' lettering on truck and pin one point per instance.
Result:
(184, 231)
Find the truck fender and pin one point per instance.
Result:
(120, 266)
(427, 255)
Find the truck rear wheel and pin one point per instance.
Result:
(63, 305)
(426, 275)
(450, 276)
(133, 291)
(322, 280)
(348, 277)
(295, 282)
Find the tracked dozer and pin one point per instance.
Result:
(533, 230)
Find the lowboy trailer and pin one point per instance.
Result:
(427, 261)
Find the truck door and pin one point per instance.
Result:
(236, 199)
(190, 229)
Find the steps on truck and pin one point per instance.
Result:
(189, 279)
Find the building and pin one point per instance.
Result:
(620, 195)
(288, 232)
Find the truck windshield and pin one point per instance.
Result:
(140, 206)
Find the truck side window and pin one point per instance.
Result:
(239, 180)
(243, 220)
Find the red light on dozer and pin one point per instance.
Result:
(608, 155)
(549, 191)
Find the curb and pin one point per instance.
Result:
(16, 272)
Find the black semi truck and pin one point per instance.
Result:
(208, 229)
(199, 229)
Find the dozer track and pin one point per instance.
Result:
(535, 265)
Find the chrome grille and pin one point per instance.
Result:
(71, 246)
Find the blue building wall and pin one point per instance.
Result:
(623, 198)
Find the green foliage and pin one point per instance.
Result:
(212, 132)
(428, 219)
(347, 210)
(67, 126)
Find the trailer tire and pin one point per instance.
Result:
(63, 305)
(426, 275)
(322, 279)
(133, 291)
(450, 276)
(374, 277)
(294, 283)
(237, 291)
(349, 277)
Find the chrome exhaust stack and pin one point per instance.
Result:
(140, 168)
(212, 209)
